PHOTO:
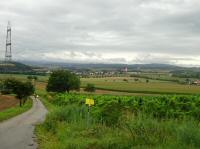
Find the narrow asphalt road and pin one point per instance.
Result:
(18, 132)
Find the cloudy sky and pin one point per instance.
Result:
(103, 31)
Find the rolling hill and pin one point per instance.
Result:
(15, 67)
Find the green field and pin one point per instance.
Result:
(126, 84)
(22, 77)
(153, 87)
(159, 76)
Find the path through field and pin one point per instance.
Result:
(18, 132)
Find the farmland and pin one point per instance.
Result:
(129, 112)
(152, 87)
(148, 120)
(7, 102)
(129, 84)
(21, 77)
(120, 122)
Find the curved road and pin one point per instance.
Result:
(18, 132)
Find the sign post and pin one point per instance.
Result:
(89, 102)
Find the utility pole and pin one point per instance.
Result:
(8, 53)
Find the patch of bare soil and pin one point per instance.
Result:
(7, 101)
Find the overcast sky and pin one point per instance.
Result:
(103, 31)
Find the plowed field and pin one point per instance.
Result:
(7, 102)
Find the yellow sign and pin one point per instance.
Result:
(89, 102)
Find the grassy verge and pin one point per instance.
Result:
(11, 112)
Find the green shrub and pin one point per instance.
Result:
(90, 88)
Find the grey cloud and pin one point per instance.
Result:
(97, 28)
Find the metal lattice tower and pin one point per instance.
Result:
(8, 54)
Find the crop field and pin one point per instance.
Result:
(125, 84)
(152, 87)
(159, 76)
(120, 122)
(108, 86)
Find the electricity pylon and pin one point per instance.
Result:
(8, 53)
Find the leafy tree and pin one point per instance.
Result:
(62, 81)
(33, 79)
(21, 89)
(90, 88)
(8, 86)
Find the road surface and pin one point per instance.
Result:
(18, 132)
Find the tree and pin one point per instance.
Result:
(21, 89)
(8, 86)
(33, 79)
(90, 88)
(62, 81)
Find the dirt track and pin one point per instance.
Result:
(18, 132)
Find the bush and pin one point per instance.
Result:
(90, 88)
(125, 80)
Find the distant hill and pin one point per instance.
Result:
(15, 67)
(134, 67)
(81, 66)
(155, 66)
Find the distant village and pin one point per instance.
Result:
(124, 72)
